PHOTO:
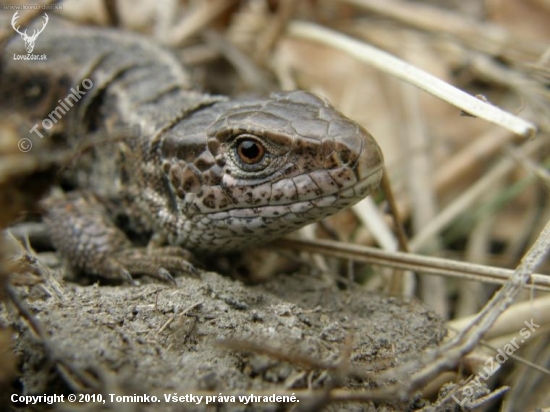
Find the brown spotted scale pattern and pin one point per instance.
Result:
(319, 162)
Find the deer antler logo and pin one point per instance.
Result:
(29, 40)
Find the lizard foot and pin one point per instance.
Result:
(84, 233)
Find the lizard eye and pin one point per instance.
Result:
(250, 150)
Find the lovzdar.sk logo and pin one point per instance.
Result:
(29, 40)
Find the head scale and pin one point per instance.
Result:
(242, 172)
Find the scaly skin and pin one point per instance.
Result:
(202, 172)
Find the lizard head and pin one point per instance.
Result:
(245, 172)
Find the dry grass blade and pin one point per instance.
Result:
(489, 38)
(511, 320)
(197, 19)
(467, 199)
(418, 263)
(411, 74)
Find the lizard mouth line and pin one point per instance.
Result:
(326, 201)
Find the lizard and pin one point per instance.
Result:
(194, 171)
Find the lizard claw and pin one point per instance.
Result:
(156, 263)
(112, 269)
(163, 274)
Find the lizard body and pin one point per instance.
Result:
(202, 172)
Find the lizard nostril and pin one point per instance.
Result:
(345, 155)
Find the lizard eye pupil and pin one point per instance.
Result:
(250, 151)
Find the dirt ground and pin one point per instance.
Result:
(217, 335)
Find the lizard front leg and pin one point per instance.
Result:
(85, 234)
